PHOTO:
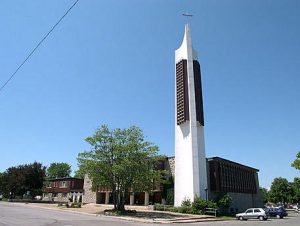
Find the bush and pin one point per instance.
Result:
(186, 202)
(161, 207)
(174, 209)
(170, 196)
(185, 209)
(224, 200)
(199, 205)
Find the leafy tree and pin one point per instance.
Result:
(58, 170)
(296, 163)
(3, 184)
(281, 191)
(34, 178)
(24, 178)
(122, 161)
(264, 193)
(79, 174)
(296, 189)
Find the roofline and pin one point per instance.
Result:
(235, 163)
(64, 178)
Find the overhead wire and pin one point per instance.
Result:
(37, 46)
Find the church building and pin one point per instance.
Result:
(193, 173)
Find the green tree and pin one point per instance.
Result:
(122, 161)
(58, 170)
(24, 178)
(79, 174)
(264, 193)
(280, 191)
(296, 189)
(3, 184)
(296, 163)
(35, 174)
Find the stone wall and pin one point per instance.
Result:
(170, 166)
(89, 196)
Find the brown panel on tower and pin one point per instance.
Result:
(182, 97)
(198, 92)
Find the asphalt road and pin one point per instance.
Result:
(22, 215)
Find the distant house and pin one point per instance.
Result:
(63, 189)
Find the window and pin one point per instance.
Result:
(63, 184)
(249, 211)
(256, 211)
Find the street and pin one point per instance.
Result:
(24, 215)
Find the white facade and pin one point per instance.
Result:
(190, 165)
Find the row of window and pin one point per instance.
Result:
(236, 179)
(60, 184)
(232, 178)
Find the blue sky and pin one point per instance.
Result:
(112, 62)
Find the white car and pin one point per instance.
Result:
(252, 213)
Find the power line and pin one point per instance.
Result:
(37, 46)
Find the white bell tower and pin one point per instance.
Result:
(190, 159)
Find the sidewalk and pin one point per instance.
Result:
(144, 214)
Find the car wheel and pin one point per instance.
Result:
(261, 218)
(241, 218)
(278, 216)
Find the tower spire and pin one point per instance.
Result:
(190, 160)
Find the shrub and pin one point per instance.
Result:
(170, 196)
(174, 209)
(159, 207)
(185, 209)
(199, 205)
(186, 202)
(224, 200)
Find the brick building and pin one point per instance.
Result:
(64, 189)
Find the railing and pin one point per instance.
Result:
(211, 211)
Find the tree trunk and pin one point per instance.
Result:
(114, 198)
(120, 204)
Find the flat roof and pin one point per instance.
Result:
(219, 159)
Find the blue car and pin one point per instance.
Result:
(278, 212)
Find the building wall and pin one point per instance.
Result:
(89, 196)
(241, 201)
(237, 180)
